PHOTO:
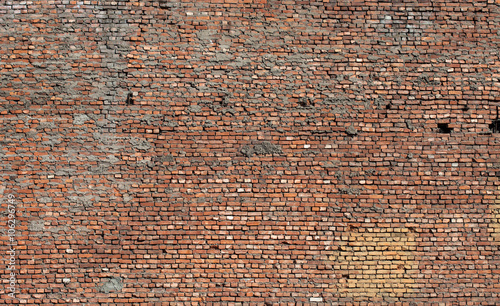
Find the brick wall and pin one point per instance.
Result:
(251, 152)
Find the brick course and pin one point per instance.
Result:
(251, 152)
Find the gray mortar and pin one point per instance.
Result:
(247, 151)
(409, 125)
(160, 160)
(65, 172)
(36, 226)
(114, 48)
(266, 147)
(263, 148)
(113, 284)
(144, 164)
(52, 141)
(194, 109)
(112, 159)
(44, 199)
(170, 123)
(349, 190)
(84, 200)
(351, 130)
(168, 158)
(140, 144)
(127, 198)
(379, 102)
(49, 125)
(206, 35)
(99, 169)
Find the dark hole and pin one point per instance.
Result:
(465, 108)
(443, 128)
(164, 4)
(303, 102)
(388, 106)
(495, 126)
(130, 101)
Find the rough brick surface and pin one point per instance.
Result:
(251, 152)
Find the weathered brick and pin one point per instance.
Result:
(251, 152)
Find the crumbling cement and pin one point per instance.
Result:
(36, 225)
(80, 119)
(351, 130)
(113, 284)
(140, 144)
(263, 148)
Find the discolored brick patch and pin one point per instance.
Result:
(378, 264)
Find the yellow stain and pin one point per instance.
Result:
(495, 221)
(376, 264)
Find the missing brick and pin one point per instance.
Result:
(444, 128)
(305, 102)
(130, 99)
(495, 124)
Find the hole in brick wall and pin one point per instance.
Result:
(388, 106)
(130, 99)
(304, 102)
(164, 4)
(495, 126)
(465, 108)
(444, 128)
